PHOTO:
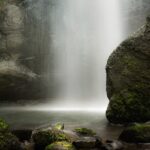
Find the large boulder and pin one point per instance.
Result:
(43, 138)
(128, 77)
(138, 133)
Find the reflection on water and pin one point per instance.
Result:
(32, 119)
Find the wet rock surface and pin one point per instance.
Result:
(44, 137)
(8, 141)
(84, 132)
(11, 27)
(17, 81)
(128, 76)
(50, 138)
(60, 146)
(23, 135)
(113, 145)
(138, 133)
(85, 142)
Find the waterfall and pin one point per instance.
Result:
(73, 40)
(84, 33)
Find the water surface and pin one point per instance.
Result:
(71, 119)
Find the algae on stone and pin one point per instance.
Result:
(59, 126)
(44, 138)
(8, 141)
(84, 131)
(138, 133)
(63, 145)
(128, 76)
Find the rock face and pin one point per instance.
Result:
(11, 28)
(7, 140)
(17, 81)
(138, 133)
(128, 77)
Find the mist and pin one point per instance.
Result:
(70, 42)
(82, 40)
(82, 35)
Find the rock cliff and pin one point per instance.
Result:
(17, 81)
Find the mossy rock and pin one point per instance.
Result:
(59, 126)
(127, 106)
(63, 145)
(44, 138)
(9, 142)
(4, 127)
(128, 76)
(138, 133)
(85, 131)
(87, 143)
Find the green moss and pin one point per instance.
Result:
(2, 3)
(131, 65)
(116, 109)
(85, 131)
(59, 126)
(128, 106)
(60, 145)
(130, 61)
(9, 142)
(4, 127)
(139, 133)
(44, 138)
(128, 77)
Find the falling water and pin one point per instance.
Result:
(72, 40)
(84, 35)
